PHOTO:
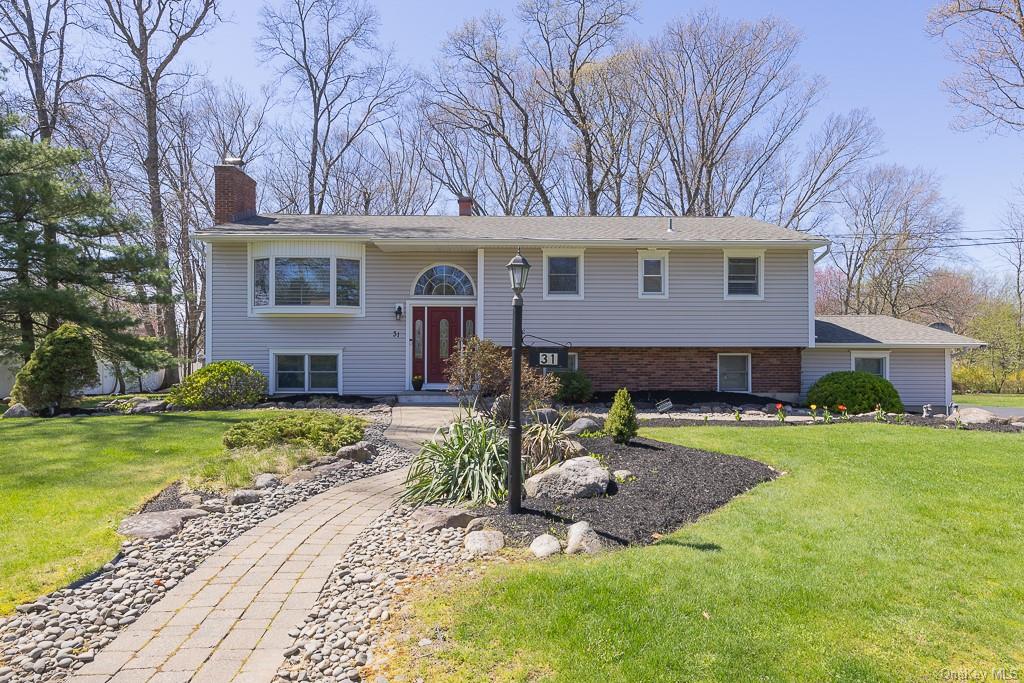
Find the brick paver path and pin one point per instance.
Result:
(229, 619)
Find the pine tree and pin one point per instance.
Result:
(64, 255)
(622, 424)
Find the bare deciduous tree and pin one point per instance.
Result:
(986, 38)
(147, 38)
(348, 85)
(897, 225)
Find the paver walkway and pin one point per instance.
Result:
(229, 619)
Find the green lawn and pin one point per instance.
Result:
(884, 553)
(65, 484)
(996, 400)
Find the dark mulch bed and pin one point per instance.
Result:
(673, 486)
(909, 420)
(684, 398)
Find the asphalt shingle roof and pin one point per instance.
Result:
(883, 330)
(516, 228)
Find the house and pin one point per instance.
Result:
(360, 304)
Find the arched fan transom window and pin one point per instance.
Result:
(444, 280)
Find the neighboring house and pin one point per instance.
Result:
(107, 385)
(360, 304)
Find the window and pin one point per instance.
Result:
(296, 284)
(418, 340)
(291, 373)
(563, 273)
(302, 282)
(443, 280)
(874, 362)
(743, 274)
(734, 372)
(347, 282)
(261, 282)
(574, 361)
(301, 372)
(652, 274)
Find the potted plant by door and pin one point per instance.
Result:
(417, 382)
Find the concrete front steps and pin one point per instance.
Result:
(427, 398)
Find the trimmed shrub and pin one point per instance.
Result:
(222, 384)
(860, 392)
(480, 371)
(61, 367)
(324, 432)
(466, 461)
(621, 424)
(574, 387)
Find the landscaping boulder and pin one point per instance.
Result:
(190, 499)
(484, 542)
(358, 452)
(332, 467)
(212, 505)
(545, 545)
(244, 497)
(431, 517)
(581, 477)
(581, 538)
(584, 424)
(622, 475)
(973, 416)
(156, 524)
(266, 481)
(547, 416)
(17, 410)
(149, 407)
(299, 475)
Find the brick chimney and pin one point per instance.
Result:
(234, 193)
(466, 205)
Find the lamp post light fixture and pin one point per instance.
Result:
(518, 272)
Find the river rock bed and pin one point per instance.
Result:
(48, 639)
(338, 635)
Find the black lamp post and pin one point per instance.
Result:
(518, 271)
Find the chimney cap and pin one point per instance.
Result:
(232, 161)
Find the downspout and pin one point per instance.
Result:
(828, 250)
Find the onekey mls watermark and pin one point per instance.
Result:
(996, 673)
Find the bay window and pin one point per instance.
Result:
(304, 279)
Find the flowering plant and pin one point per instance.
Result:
(814, 412)
(780, 412)
(826, 415)
(842, 409)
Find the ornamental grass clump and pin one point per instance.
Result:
(321, 431)
(465, 462)
(545, 445)
(622, 424)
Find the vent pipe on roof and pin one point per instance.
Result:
(670, 226)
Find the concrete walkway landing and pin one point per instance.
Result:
(411, 425)
(229, 619)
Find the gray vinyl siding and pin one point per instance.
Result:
(919, 375)
(694, 314)
(373, 358)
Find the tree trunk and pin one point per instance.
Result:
(152, 166)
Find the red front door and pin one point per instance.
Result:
(443, 334)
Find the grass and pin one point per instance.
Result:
(994, 400)
(65, 484)
(233, 469)
(885, 553)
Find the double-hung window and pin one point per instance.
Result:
(744, 274)
(652, 274)
(295, 284)
(307, 373)
(563, 273)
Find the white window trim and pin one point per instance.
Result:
(579, 275)
(274, 353)
(331, 309)
(651, 255)
(718, 372)
(743, 253)
(854, 355)
(472, 282)
(574, 361)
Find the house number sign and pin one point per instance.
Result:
(552, 358)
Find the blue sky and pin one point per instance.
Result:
(874, 54)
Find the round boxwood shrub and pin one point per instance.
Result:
(574, 387)
(60, 368)
(860, 392)
(221, 384)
